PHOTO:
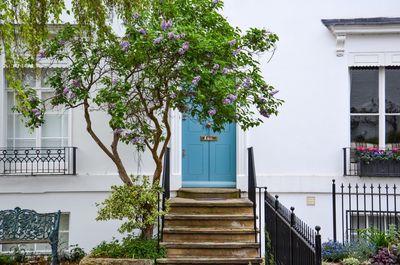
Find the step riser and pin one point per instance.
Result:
(247, 238)
(210, 210)
(216, 252)
(197, 195)
(244, 263)
(210, 223)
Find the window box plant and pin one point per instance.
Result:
(373, 162)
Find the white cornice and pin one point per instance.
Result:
(341, 32)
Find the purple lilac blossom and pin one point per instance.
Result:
(214, 2)
(264, 113)
(136, 140)
(173, 95)
(158, 40)
(114, 81)
(273, 92)
(232, 97)
(212, 112)
(196, 80)
(136, 15)
(124, 45)
(36, 112)
(171, 35)
(31, 97)
(66, 90)
(184, 49)
(142, 31)
(71, 95)
(42, 54)
(226, 101)
(232, 42)
(61, 42)
(226, 70)
(166, 24)
(76, 82)
(247, 82)
(215, 69)
(237, 51)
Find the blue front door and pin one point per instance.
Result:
(208, 158)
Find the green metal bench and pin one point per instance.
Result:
(27, 226)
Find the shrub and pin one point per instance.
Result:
(361, 250)
(383, 257)
(130, 247)
(380, 238)
(351, 261)
(334, 251)
(137, 205)
(6, 260)
(74, 254)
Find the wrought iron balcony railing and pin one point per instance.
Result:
(350, 164)
(38, 161)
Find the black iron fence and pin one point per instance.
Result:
(356, 207)
(288, 240)
(164, 195)
(38, 161)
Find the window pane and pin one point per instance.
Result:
(20, 130)
(364, 90)
(10, 102)
(51, 142)
(10, 126)
(45, 247)
(52, 126)
(365, 129)
(25, 143)
(392, 129)
(392, 76)
(64, 222)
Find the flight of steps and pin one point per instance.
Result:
(210, 226)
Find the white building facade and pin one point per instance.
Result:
(326, 72)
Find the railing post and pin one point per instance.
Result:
(334, 209)
(344, 162)
(292, 224)
(276, 207)
(74, 160)
(318, 248)
(251, 188)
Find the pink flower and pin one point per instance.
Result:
(212, 112)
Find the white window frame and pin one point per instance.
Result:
(382, 107)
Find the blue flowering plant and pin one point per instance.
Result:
(334, 251)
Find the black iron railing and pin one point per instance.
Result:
(357, 207)
(350, 163)
(288, 240)
(164, 195)
(38, 161)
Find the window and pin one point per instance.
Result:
(375, 106)
(53, 133)
(44, 248)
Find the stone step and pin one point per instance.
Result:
(208, 193)
(210, 249)
(204, 206)
(209, 220)
(209, 261)
(191, 234)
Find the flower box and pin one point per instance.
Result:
(379, 168)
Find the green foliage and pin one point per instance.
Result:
(269, 257)
(19, 255)
(174, 55)
(334, 251)
(351, 261)
(130, 247)
(74, 254)
(361, 250)
(136, 205)
(6, 260)
(380, 238)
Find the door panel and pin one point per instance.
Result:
(208, 163)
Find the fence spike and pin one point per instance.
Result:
(292, 209)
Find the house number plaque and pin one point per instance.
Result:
(208, 138)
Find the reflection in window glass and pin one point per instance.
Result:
(365, 129)
(392, 129)
(364, 90)
(392, 90)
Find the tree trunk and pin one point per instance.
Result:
(147, 232)
(158, 171)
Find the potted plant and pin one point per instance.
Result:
(374, 162)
